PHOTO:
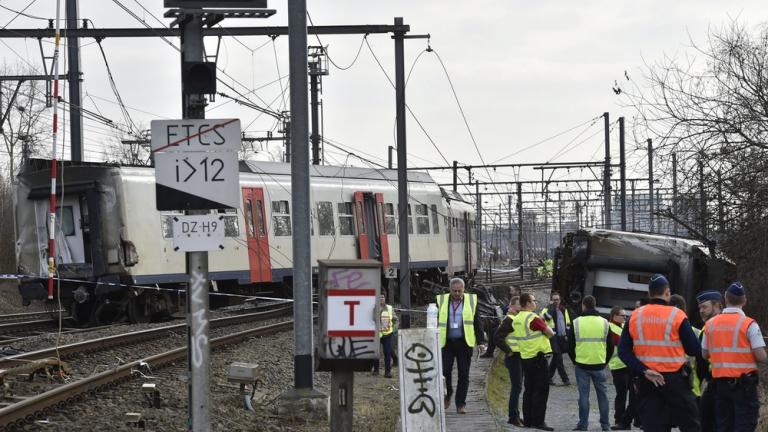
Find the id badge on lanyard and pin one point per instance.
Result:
(454, 323)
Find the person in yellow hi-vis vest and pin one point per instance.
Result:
(460, 329)
(624, 413)
(504, 338)
(532, 335)
(679, 302)
(388, 321)
(592, 347)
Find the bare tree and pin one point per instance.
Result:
(130, 148)
(710, 109)
(23, 127)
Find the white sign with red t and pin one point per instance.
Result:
(351, 312)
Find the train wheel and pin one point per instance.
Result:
(82, 313)
(138, 310)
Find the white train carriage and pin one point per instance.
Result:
(112, 233)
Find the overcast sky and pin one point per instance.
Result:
(523, 70)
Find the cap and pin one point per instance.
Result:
(709, 296)
(736, 289)
(657, 281)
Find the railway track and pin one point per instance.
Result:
(20, 363)
(38, 406)
(27, 316)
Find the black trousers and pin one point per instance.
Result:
(707, 407)
(671, 404)
(737, 404)
(386, 349)
(458, 350)
(623, 413)
(536, 393)
(559, 347)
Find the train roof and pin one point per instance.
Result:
(261, 167)
(646, 240)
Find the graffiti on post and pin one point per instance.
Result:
(418, 370)
(351, 348)
(421, 387)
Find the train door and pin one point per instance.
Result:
(369, 221)
(257, 235)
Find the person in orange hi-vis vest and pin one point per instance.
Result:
(734, 345)
(654, 344)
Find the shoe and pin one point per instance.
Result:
(551, 382)
(388, 375)
(566, 383)
(460, 410)
(515, 421)
(375, 373)
(580, 428)
(605, 428)
(544, 427)
(621, 427)
(447, 402)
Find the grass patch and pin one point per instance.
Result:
(498, 387)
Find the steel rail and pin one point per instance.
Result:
(25, 315)
(7, 363)
(29, 409)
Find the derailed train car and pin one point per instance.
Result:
(615, 267)
(111, 242)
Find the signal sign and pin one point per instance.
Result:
(196, 164)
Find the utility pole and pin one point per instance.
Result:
(650, 184)
(389, 156)
(674, 190)
(197, 262)
(75, 94)
(479, 222)
(623, 175)
(720, 204)
(560, 216)
(303, 366)
(632, 183)
(520, 226)
(509, 222)
(316, 71)
(402, 176)
(546, 226)
(702, 196)
(455, 174)
(607, 172)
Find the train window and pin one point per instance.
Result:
(249, 218)
(435, 225)
(422, 219)
(67, 220)
(389, 216)
(281, 218)
(260, 217)
(638, 278)
(325, 218)
(346, 218)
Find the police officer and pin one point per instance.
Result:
(532, 335)
(388, 320)
(654, 344)
(460, 328)
(734, 345)
(592, 347)
(710, 305)
(505, 340)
